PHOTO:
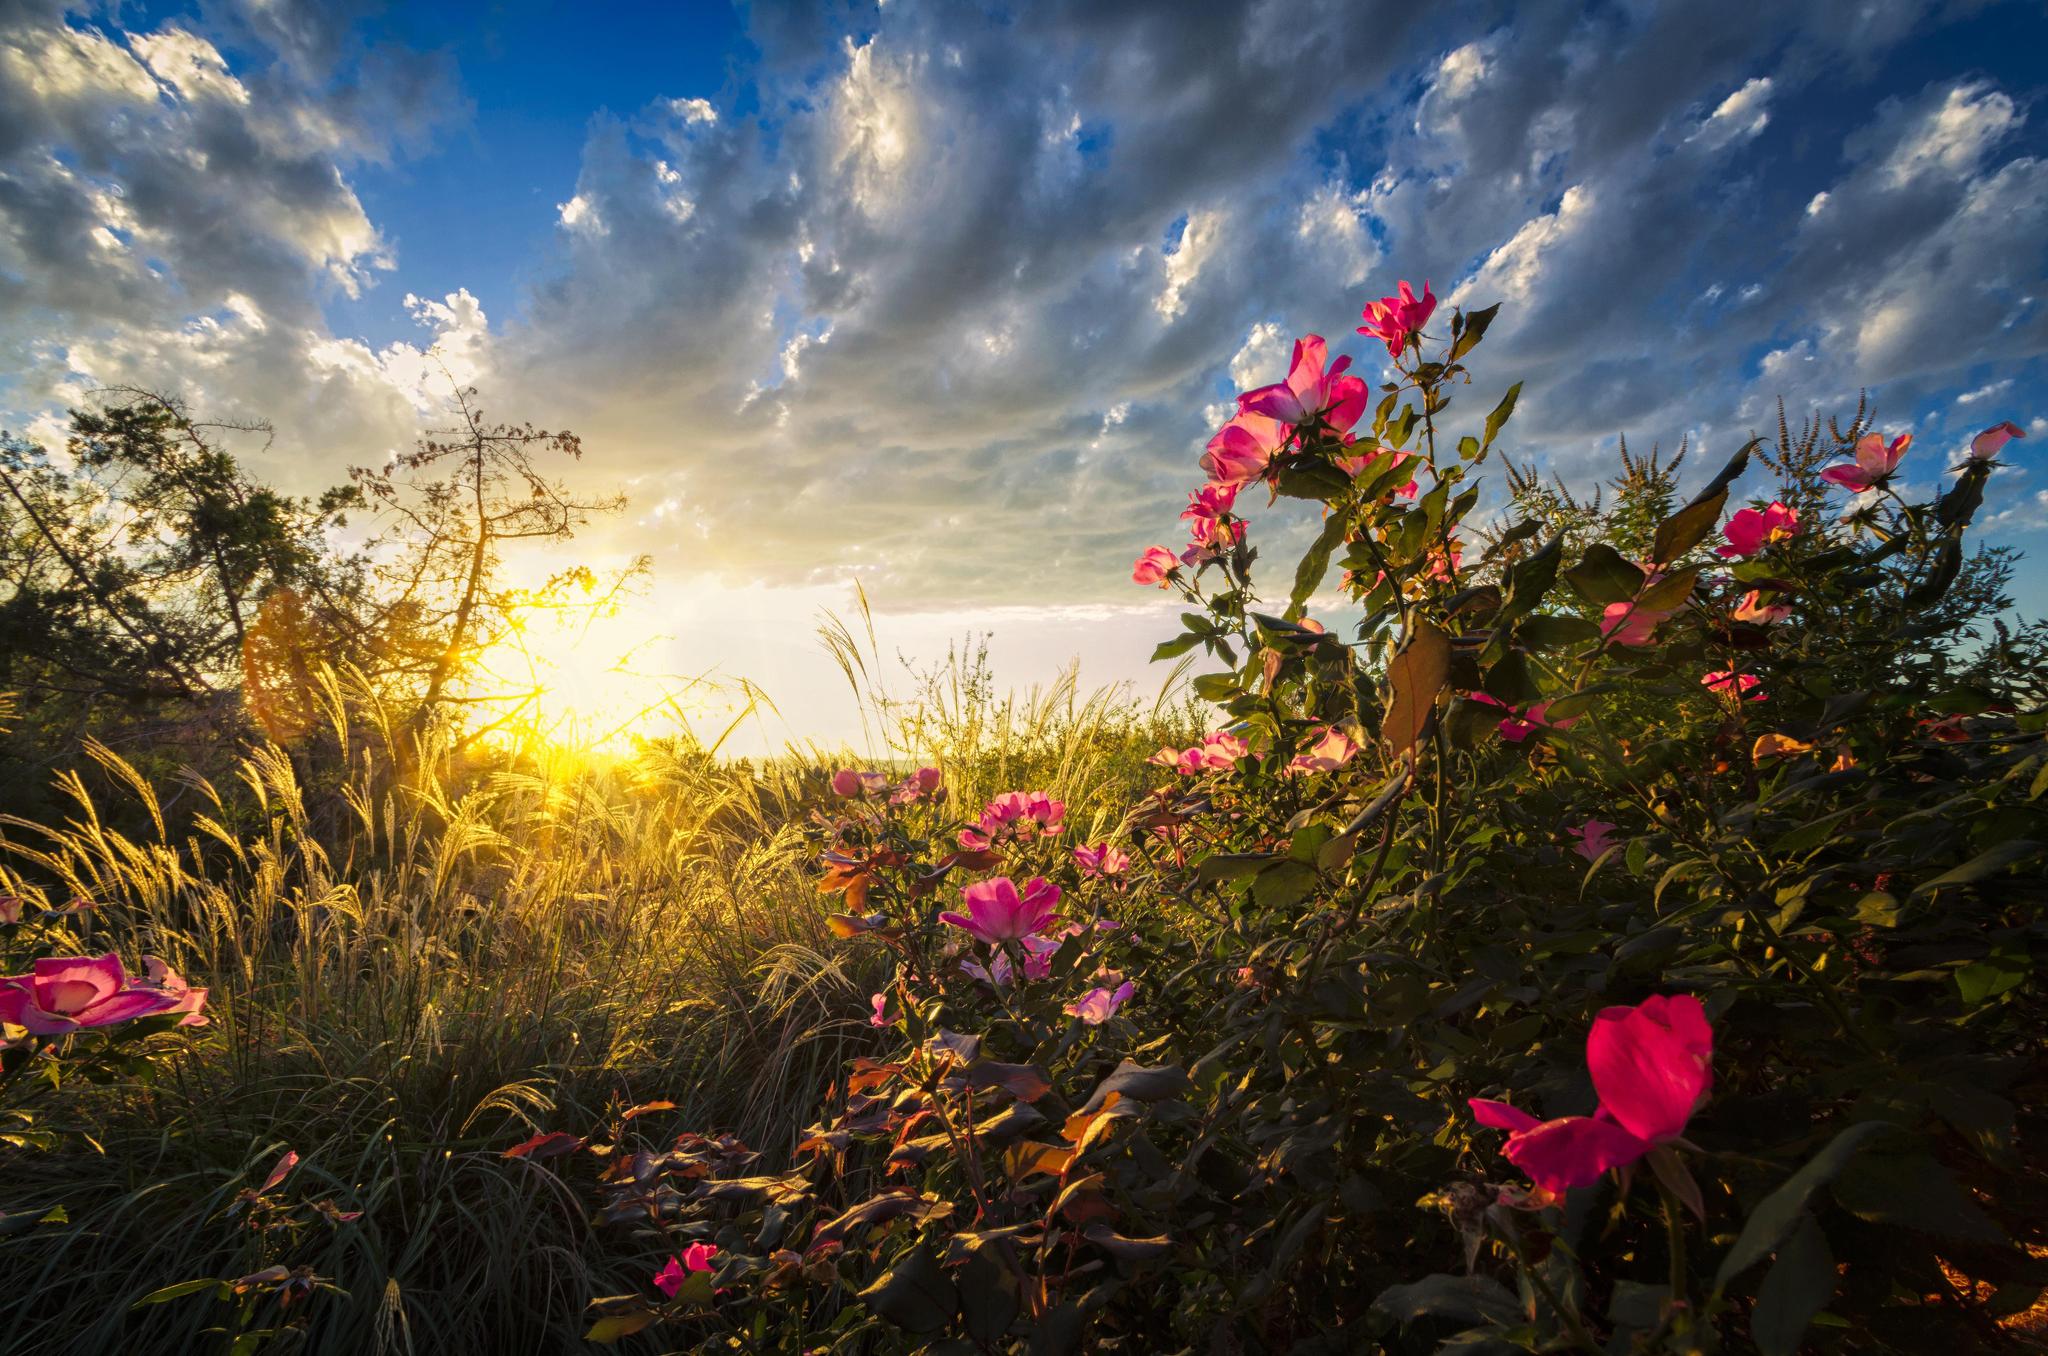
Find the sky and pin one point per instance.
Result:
(943, 299)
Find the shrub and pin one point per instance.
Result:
(1704, 865)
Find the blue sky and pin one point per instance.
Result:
(946, 297)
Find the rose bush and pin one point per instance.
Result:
(1695, 846)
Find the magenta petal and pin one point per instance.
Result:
(69, 984)
(1573, 1151)
(124, 1007)
(1501, 1116)
(1652, 1065)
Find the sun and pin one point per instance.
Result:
(590, 679)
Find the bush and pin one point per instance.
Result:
(1704, 865)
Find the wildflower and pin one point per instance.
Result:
(1316, 390)
(915, 787)
(879, 1003)
(849, 783)
(1242, 448)
(1014, 814)
(1038, 953)
(1107, 860)
(10, 908)
(1399, 319)
(65, 994)
(1874, 463)
(1754, 610)
(1154, 566)
(998, 912)
(1631, 623)
(1100, 1003)
(1518, 725)
(1208, 504)
(1725, 683)
(169, 982)
(1595, 837)
(1751, 530)
(1328, 751)
(1777, 746)
(696, 1257)
(1652, 1067)
(1986, 445)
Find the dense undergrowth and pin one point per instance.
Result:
(1624, 939)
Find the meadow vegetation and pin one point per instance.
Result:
(1609, 925)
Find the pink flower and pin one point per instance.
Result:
(880, 1003)
(696, 1257)
(1316, 390)
(1652, 1067)
(1874, 463)
(1399, 319)
(1242, 448)
(1724, 683)
(1518, 724)
(1595, 837)
(1100, 1003)
(1222, 750)
(1211, 501)
(1751, 530)
(63, 995)
(1107, 860)
(167, 981)
(849, 783)
(1154, 566)
(1330, 750)
(1630, 623)
(10, 908)
(1754, 610)
(997, 912)
(1015, 815)
(915, 787)
(1038, 954)
(1986, 445)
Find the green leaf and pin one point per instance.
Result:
(1173, 649)
(914, 1294)
(1283, 884)
(1670, 591)
(1914, 1191)
(1987, 863)
(1219, 866)
(1308, 576)
(1798, 1286)
(1602, 576)
(1550, 631)
(1780, 1212)
(1474, 330)
(1500, 414)
(1461, 1299)
(989, 1298)
(612, 1327)
(1980, 982)
(178, 1291)
(1688, 527)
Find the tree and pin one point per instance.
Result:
(452, 507)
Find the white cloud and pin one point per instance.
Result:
(1951, 139)
(1738, 117)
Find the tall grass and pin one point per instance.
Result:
(410, 973)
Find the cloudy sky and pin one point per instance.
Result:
(946, 297)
